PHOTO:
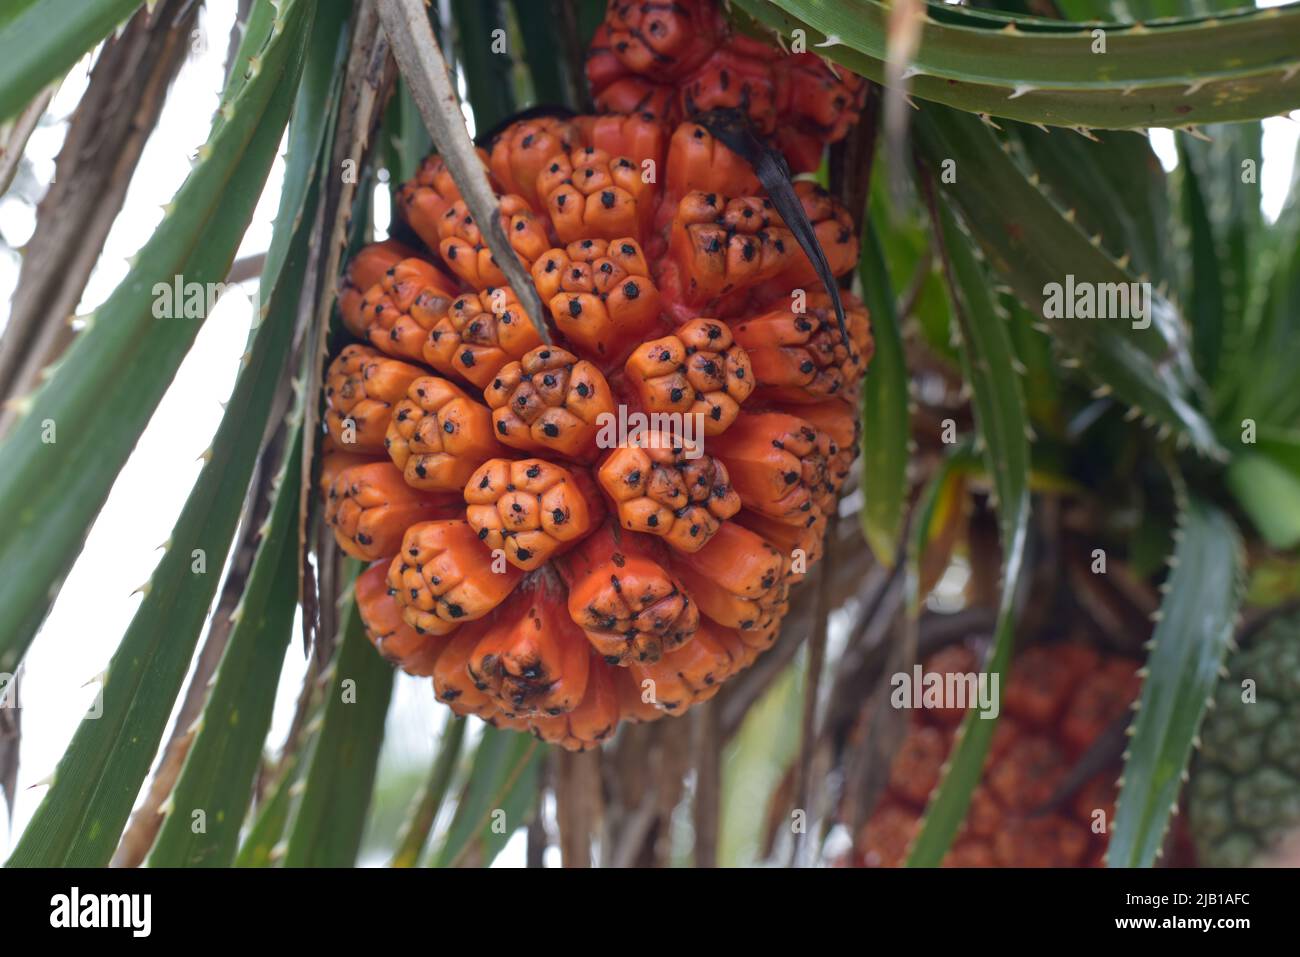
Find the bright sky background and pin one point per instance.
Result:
(98, 599)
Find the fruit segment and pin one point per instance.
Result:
(692, 673)
(439, 436)
(673, 60)
(660, 39)
(523, 149)
(398, 311)
(629, 605)
(775, 465)
(361, 388)
(392, 637)
(801, 357)
(479, 334)
(722, 245)
(452, 684)
(738, 579)
(424, 199)
(592, 721)
(333, 462)
(600, 294)
(462, 247)
(660, 489)
(444, 576)
(549, 401)
(636, 699)
(838, 430)
(834, 228)
(630, 134)
(698, 161)
(589, 194)
(530, 508)
(369, 508)
(699, 370)
(532, 659)
(365, 269)
(802, 544)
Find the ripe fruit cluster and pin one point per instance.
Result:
(546, 577)
(1025, 812)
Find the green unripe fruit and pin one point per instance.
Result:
(1244, 795)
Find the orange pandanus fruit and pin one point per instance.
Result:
(1059, 699)
(480, 333)
(661, 487)
(438, 436)
(549, 401)
(370, 507)
(697, 371)
(531, 508)
(604, 526)
(414, 653)
(672, 60)
(443, 575)
(533, 659)
(623, 597)
(397, 312)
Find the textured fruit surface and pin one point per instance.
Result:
(398, 642)
(696, 371)
(672, 60)
(361, 388)
(370, 507)
(603, 523)
(628, 603)
(661, 488)
(443, 575)
(438, 435)
(480, 333)
(549, 401)
(1059, 699)
(532, 659)
(531, 508)
(1244, 795)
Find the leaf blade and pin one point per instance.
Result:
(100, 413)
(1003, 422)
(40, 41)
(502, 778)
(217, 777)
(1166, 73)
(329, 822)
(886, 423)
(1196, 623)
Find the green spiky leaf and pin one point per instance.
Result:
(1223, 68)
(1197, 618)
(1003, 426)
(885, 417)
(329, 821)
(217, 778)
(95, 785)
(1032, 244)
(502, 786)
(90, 406)
(41, 39)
